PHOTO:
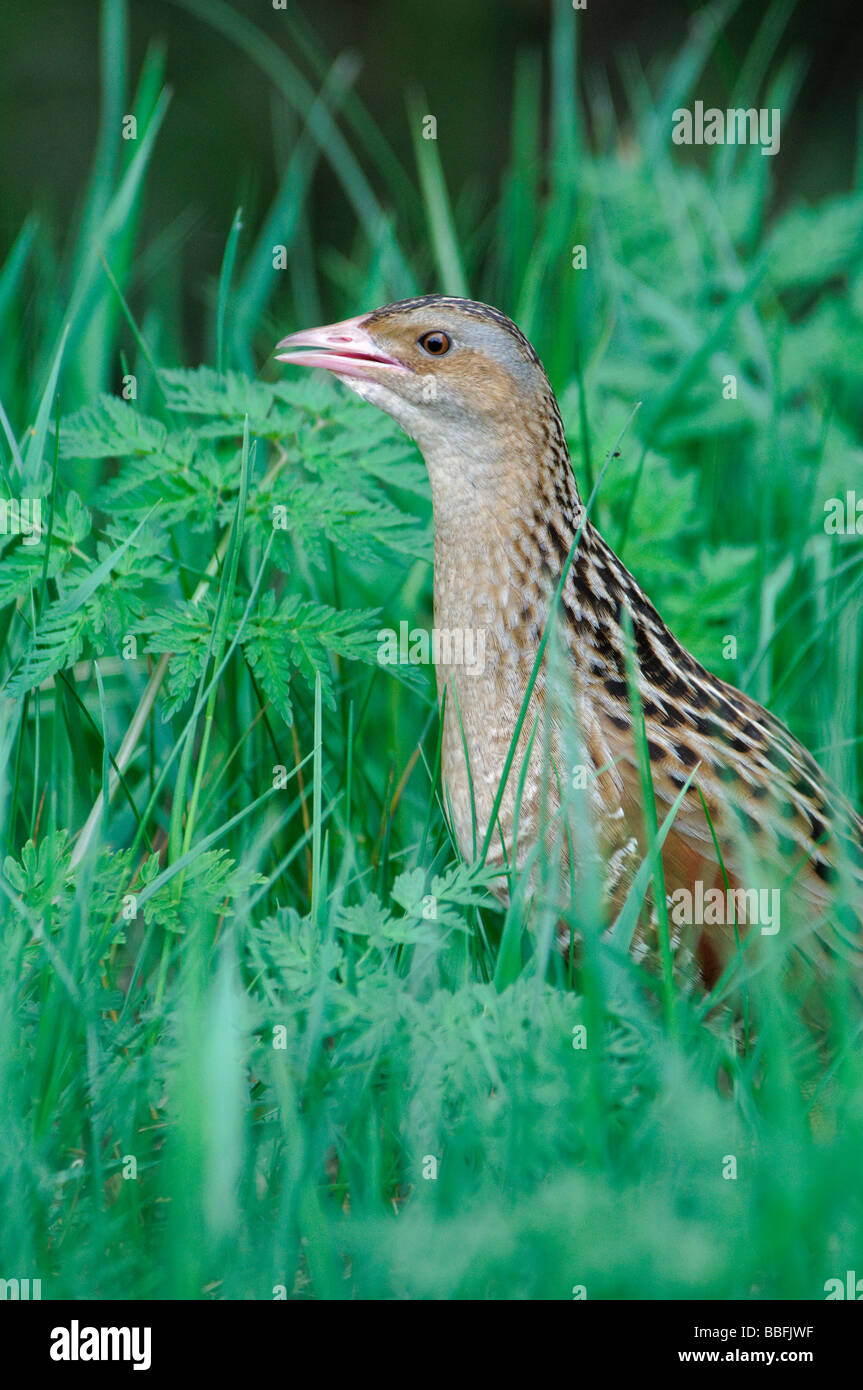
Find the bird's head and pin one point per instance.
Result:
(446, 369)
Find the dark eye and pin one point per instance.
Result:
(435, 343)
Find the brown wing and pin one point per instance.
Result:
(773, 812)
(772, 809)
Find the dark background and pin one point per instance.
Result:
(217, 147)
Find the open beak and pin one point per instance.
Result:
(343, 348)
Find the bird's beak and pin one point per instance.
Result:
(346, 349)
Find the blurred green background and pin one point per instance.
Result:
(232, 982)
(228, 134)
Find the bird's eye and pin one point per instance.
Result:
(436, 344)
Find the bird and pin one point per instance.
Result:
(512, 535)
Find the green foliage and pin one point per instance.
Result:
(190, 478)
(256, 965)
(294, 638)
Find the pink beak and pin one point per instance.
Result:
(343, 348)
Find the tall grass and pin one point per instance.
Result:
(238, 1054)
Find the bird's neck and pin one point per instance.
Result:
(506, 510)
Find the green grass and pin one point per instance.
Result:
(259, 1027)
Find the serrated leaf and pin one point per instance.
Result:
(409, 888)
(183, 630)
(21, 570)
(295, 639)
(43, 872)
(207, 392)
(109, 428)
(57, 646)
(357, 524)
(368, 918)
(211, 882)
